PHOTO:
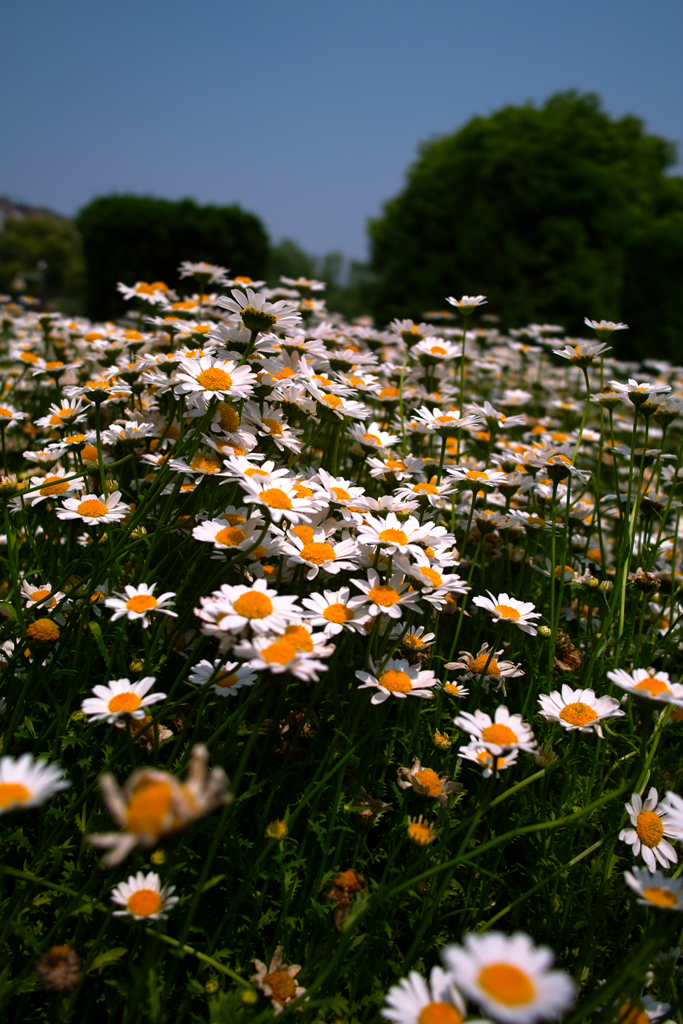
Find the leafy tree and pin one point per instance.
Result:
(553, 213)
(41, 254)
(137, 238)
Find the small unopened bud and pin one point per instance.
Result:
(545, 631)
(277, 830)
(249, 996)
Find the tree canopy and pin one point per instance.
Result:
(41, 254)
(138, 238)
(553, 213)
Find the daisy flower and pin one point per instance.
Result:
(506, 609)
(649, 683)
(334, 611)
(491, 763)
(40, 595)
(257, 313)
(604, 328)
(578, 709)
(475, 479)
(385, 598)
(143, 898)
(444, 423)
(279, 654)
(27, 783)
(58, 484)
(393, 535)
(499, 735)
(206, 378)
(9, 416)
(277, 981)
(139, 603)
(264, 610)
(456, 690)
(93, 509)
(155, 803)
(509, 977)
(583, 354)
(416, 1001)
(280, 496)
(224, 536)
(120, 697)
(655, 889)
(650, 827)
(468, 303)
(371, 435)
(226, 677)
(426, 782)
(497, 670)
(420, 832)
(321, 552)
(397, 679)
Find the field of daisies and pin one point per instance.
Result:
(339, 665)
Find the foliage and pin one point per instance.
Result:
(550, 211)
(234, 477)
(137, 238)
(27, 242)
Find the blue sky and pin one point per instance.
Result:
(306, 112)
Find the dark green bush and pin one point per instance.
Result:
(137, 238)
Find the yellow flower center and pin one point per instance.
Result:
(74, 439)
(429, 782)
(396, 681)
(439, 1013)
(53, 485)
(432, 575)
(43, 630)
(39, 595)
(276, 498)
(302, 492)
(453, 688)
(388, 393)
(421, 832)
(333, 401)
(304, 533)
(660, 897)
(144, 902)
(341, 494)
(141, 603)
(578, 714)
(148, 809)
(125, 702)
(507, 984)
(384, 596)
(630, 1014)
(479, 664)
(231, 536)
(652, 685)
(233, 518)
(13, 793)
(501, 735)
(476, 474)
(273, 426)
(391, 536)
(318, 553)
(429, 489)
(649, 828)
(229, 418)
(253, 605)
(205, 464)
(89, 454)
(298, 637)
(337, 613)
(93, 508)
(214, 379)
(371, 437)
(225, 680)
(281, 653)
(282, 985)
(506, 612)
(395, 464)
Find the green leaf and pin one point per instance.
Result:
(97, 633)
(212, 881)
(110, 957)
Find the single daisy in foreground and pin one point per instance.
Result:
(578, 709)
(93, 510)
(397, 679)
(139, 602)
(491, 763)
(655, 889)
(506, 609)
(509, 977)
(277, 981)
(426, 782)
(486, 661)
(649, 683)
(652, 821)
(420, 832)
(120, 697)
(385, 598)
(225, 677)
(416, 1001)
(499, 735)
(143, 898)
(27, 783)
(334, 611)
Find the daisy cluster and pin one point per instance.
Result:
(235, 511)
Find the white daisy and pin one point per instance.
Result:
(226, 678)
(27, 783)
(397, 679)
(58, 484)
(139, 603)
(278, 654)
(42, 594)
(578, 709)
(121, 697)
(652, 821)
(385, 598)
(257, 313)
(485, 759)
(224, 536)
(499, 735)
(143, 898)
(468, 303)
(506, 609)
(232, 608)
(393, 535)
(321, 552)
(509, 977)
(416, 1001)
(206, 378)
(280, 497)
(655, 889)
(94, 510)
(334, 611)
(652, 684)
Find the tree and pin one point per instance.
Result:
(41, 254)
(553, 213)
(136, 238)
